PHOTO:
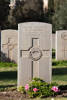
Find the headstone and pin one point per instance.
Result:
(34, 52)
(53, 41)
(9, 45)
(61, 45)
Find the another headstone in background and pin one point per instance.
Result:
(9, 45)
(35, 52)
(53, 41)
(61, 45)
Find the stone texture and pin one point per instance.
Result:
(61, 45)
(53, 41)
(34, 52)
(9, 45)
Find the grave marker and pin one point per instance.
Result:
(9, 45)
(61, 45)
(34, 52)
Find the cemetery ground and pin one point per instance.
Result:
(8, 80)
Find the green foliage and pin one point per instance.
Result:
(51, 5)
(22, 89)
(59, 63)
(6, 64)
(53, 53)
(60, 16)
(44, 89)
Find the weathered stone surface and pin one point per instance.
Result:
(53, 41)
(9, 45)
(61, 45)
(34, 52)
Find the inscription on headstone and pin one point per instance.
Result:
(34, 52)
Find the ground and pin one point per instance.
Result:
(11, 95)
(8, 81)
(14, 95)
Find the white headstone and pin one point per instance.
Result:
(9, 45)
(34, 52)
(61, 45)
(53, 41)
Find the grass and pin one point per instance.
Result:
(8, 74)
(50, 99)
(59, 72)
(60, 64)
(53, 53)
(7, 64)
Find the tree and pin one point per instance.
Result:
(60, 17)
(29, 10)
(4, 10)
